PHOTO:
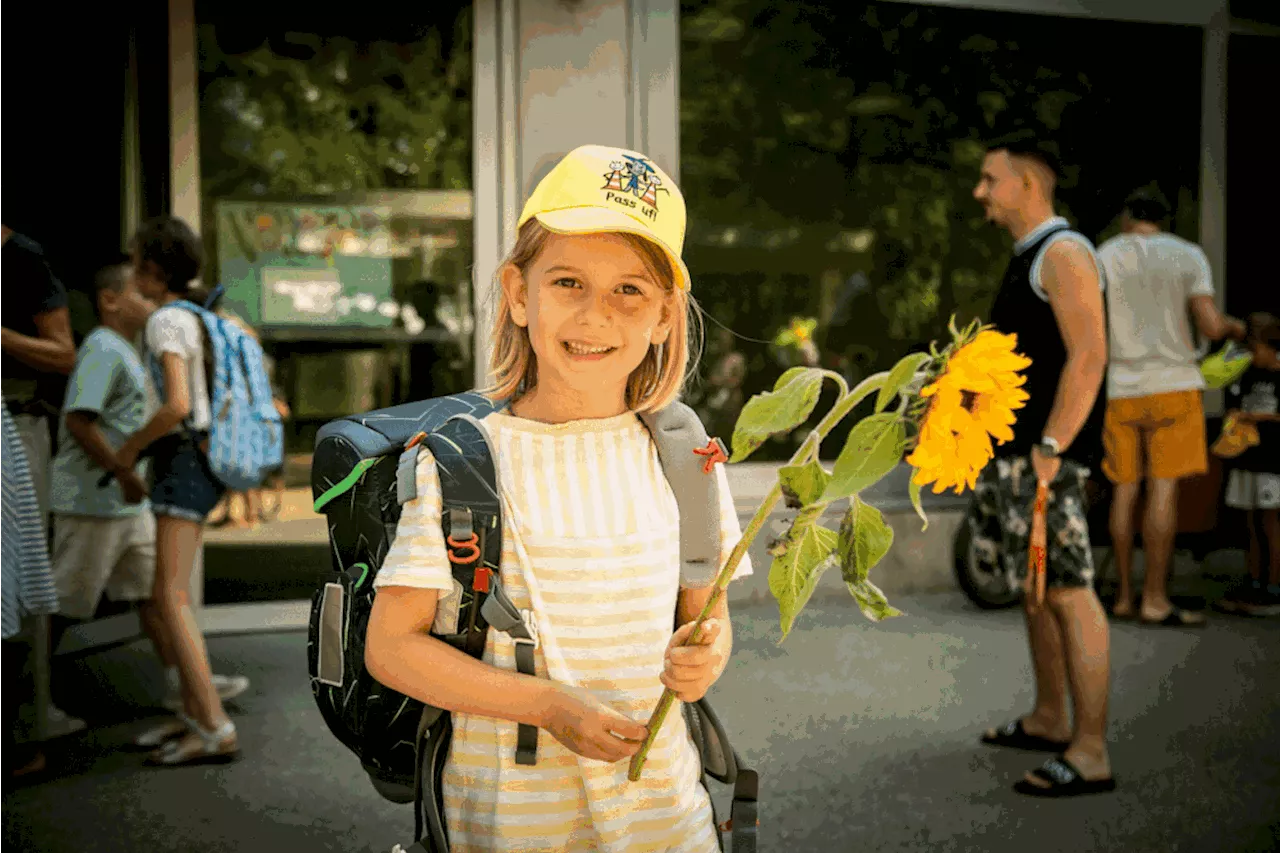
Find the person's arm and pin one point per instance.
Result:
(87, 392)
(703, 665)
(1070, 279)
(691, 670)
(83, 427)
(1214, 324)
(401, 654)
(176, 407)
(51, 350)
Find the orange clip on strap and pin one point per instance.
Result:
(481, 581)
(415, 441)
(465, 550)
(714, 453)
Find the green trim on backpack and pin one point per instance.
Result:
(345, 484)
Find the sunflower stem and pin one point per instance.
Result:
(839, 380)
(848, 400)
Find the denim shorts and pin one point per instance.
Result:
(182, 485)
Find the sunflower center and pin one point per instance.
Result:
(968, 400)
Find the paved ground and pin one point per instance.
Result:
(864, 735)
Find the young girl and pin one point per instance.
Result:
(166, 257)
(591, 328)
(1254, 484)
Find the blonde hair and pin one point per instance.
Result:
(659, 379)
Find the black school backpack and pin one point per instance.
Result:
(361, 475)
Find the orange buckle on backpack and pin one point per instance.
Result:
(481, 582)
(714, 453)
(456, 548)
(415, 441)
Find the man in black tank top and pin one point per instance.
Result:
(1051, 298)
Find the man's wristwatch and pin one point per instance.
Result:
(1049, 447)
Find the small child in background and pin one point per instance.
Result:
(1254, 483)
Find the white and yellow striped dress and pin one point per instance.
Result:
(592, 520)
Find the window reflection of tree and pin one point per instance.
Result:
(834, 120)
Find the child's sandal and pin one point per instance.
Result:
(216, 747)
(160, 734)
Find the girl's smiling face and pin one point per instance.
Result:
(592, 308)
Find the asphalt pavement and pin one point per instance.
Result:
(865, 737)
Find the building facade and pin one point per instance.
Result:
(108, 132)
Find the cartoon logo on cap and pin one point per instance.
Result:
(634, 177)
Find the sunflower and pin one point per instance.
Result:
(798, 333)
(971, 402)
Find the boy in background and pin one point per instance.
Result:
(105, 534)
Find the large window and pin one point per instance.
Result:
(829, 150)
(335, 185)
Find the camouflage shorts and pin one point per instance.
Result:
(1000, 522)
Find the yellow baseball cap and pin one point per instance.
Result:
(596, 189)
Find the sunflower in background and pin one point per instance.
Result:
(970, 401)
(798, 336)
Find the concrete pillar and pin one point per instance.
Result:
(131, 195)
(551, 75)
(1213, 163)
(184, 107)
(184, 160)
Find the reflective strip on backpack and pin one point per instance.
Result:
(407, 475)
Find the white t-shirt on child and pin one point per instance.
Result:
(177, 330)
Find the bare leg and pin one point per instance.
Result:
(1157, 534)
(177, 541)
(154, 627)
(253, 506)
(1123, 502)
(1086, 639)
(1049, 718)
(151, 615)
(1271, 524)
(1255, 546)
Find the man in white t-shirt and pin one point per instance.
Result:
(1158, 284)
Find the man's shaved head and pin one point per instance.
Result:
(1035, 169)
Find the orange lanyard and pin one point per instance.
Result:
(1038, 551)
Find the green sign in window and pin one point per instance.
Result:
(293, 265)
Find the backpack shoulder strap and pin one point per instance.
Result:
(688, 459)
(472, 527)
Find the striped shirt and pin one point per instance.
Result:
(591, 545)
(28, 585)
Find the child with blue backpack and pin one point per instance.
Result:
(166, 258)
(592, 329)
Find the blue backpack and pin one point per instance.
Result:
(246, 437)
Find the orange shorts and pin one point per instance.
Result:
(1160, 436)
